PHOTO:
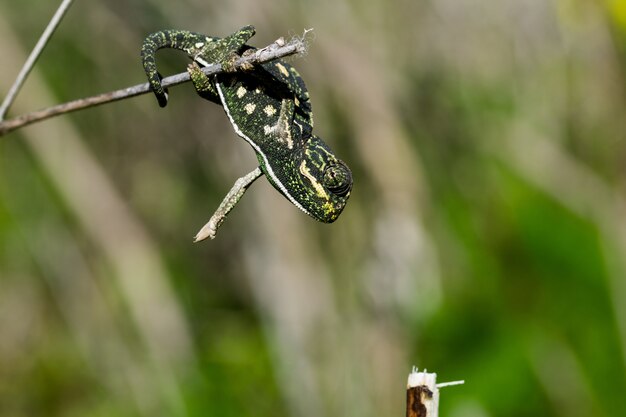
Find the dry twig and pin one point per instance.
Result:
(34, 55)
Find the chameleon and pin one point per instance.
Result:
(269, 107)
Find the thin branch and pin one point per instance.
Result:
(228, 203)
(276, 50)
(34, 55)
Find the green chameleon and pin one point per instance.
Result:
(268, 106)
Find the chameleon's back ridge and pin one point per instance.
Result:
(268, 106)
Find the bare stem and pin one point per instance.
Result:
(229, 202)
(274, 51)
(422, 394)
(34, 55)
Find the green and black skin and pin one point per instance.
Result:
(268, 106)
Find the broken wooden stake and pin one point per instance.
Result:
(422, 394)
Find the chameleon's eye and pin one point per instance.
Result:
(338, 179)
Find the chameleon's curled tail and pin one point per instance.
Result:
(177, 39)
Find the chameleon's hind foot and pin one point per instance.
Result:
(201, 82)
(226, 52)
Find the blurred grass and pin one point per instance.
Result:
(484, 238)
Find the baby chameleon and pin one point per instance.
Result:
(269, 107)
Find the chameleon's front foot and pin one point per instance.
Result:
(209, 230)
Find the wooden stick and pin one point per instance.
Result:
(422, 394)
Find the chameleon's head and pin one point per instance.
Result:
(317, 182)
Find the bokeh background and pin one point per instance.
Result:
(485, 238)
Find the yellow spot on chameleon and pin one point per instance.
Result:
(269, 110)
(249, 108)
(241, 92)
(319, 189)
(282, 70)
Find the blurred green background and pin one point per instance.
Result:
(485, 238)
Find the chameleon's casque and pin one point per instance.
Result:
(268, 106)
